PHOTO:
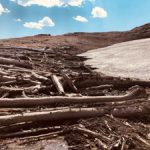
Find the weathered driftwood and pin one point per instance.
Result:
(91, 133)
(101, 144)
(131, 111)
(5, 95)
(29, 132)
(100, 87)
(35, 138)
(141, 140)
(73, 113)
(31, 102)
(5, 78)
(3, 72)
(8, 61)
(116, 82)
(10, 90)
(69, 82)
(12, 68)
(58, 85)
(39, 77)
(20, 82)
(22, 70)
(27, 90)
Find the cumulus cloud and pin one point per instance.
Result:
(49, 3)
(45, 22)
(98, 12)
(3, 10)
(80, 19)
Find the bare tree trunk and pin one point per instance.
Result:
(69, 113)
(31, 102)
(8, 61)
(57, 84)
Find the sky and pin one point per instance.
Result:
(20, 18)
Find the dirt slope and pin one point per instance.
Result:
(81, 41)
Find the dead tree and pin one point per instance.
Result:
(9, 61)
(32, 102)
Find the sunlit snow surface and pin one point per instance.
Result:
(128, 59)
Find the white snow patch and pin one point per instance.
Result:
(128, 59)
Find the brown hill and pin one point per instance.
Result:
(80, 41)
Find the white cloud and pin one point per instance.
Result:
(49, 3)
(98, 12)
(18, 20)
(3, 10)
(46, 21)
(74, 2)
(80, 19)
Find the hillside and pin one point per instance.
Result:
(80, 41)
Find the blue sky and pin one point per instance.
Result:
(29, 17)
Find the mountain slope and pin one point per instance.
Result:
(79, 41)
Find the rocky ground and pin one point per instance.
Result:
(48, 93)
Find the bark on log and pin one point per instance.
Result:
(8, 61)
(74, 113)
(32, 102)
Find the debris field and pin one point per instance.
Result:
(50, 93)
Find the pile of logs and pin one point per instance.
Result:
(29, 97)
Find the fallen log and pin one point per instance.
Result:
(3, 72)
(100, 87)
(31, 132)
(69, 113)
(20, 82)
(69, 82)
(22, 70)
(142, 140)
(9, 61)
(116, 82)
(37, 138)
(7, 78)
(28, 90)
(131, 111)
(39, 77)
(10, 90)
(58, 85)
(32, 102)
(101, 144)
